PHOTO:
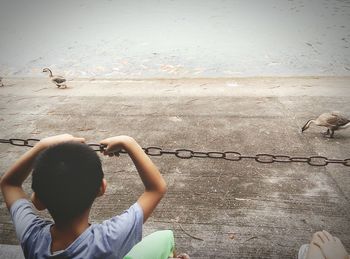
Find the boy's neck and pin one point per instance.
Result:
(65, 233)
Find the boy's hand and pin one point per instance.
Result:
(54, 140)
(155, 186)
(115, 144)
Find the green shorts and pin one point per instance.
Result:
(158, 245)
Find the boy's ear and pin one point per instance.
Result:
(103, 188)
(37, 203)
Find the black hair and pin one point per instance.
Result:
(66, 179)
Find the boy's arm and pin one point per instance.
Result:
(155, 186)
(11, 182)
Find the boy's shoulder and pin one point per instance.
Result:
(115, 235)
(26, 219)
(29, 227)
(120, 227)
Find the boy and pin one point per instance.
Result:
(67, 177)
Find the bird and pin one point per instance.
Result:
(331, 120)
(57, 80)
(1, 83)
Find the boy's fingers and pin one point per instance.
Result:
(327, 235)
(110, 153)
(318, 244)
(316, 238)
(337, 240)
(104, 141)
(321, 235)
(82, 140)
(107, 150)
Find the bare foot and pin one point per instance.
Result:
(313, 252)
(331, 247)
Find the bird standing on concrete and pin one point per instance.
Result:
(57, 80)
(332, 121)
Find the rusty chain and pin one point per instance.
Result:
(188, 154)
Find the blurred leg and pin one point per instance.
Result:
(158, 245)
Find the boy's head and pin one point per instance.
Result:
(66, 179)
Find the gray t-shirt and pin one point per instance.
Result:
(113, 238)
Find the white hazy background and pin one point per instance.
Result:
(171, 39)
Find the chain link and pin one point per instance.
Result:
(188, 154)
(22, 142)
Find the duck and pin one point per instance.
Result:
(331, 120)
(57, 80)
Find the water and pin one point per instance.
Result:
(166, 39)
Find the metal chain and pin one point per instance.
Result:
(227, 155)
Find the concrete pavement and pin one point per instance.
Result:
(240, 209)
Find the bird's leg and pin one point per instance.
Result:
(326, 133)
(64, 86)
(330, 133)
